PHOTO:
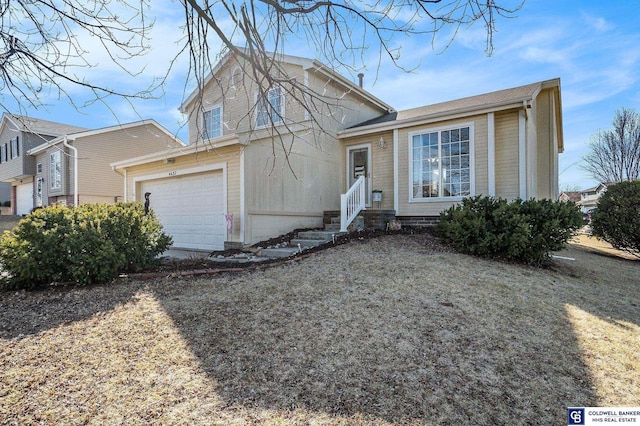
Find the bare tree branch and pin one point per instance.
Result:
(614, 155)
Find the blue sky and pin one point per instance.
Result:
(592, 46)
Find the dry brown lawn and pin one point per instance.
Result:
(391, 331)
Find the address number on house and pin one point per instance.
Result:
(173, 173)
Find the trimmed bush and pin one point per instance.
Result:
(87, 244)
(522, 231)
(617, 217)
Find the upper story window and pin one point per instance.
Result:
(213, 122)
(4, 153)
(270, 108)
(14, 148)
(39, 168)
(441, 163)
(55, 170)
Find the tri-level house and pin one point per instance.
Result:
(47, 162)
(258, 165)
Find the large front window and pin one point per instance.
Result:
(269, 108)
(441, 163)
(213, 123)
(55, 170)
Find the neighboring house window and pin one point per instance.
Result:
(15, 148)
(3, 153)
(39, 168)
(55, 170)
(441, 163)
(270, 108)
(213, 123)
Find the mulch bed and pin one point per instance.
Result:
(173, 265)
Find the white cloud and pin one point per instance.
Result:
(598, 23)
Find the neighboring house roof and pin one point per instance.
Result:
(574, 196)
(494, 101)
(308, 65)
(85, 133)
(38, 125)
(173, 153)
(597, 188)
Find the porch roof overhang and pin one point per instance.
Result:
(178, 152)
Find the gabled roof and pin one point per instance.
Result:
(597, 188)
(86, 133)
(307, 64)
(38, 125)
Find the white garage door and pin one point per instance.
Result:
(191, 209)
(24, 198)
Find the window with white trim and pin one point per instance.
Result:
(15, 147)
(213, 122)
(269, 108)
(55, 170)
(441, 163)
(39, 168)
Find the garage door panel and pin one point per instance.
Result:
(191, 209)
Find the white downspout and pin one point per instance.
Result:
(75, 170)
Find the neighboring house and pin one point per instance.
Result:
(232, 183)
(570, 196)
(19, 134)
(70, 165)
(589, 197)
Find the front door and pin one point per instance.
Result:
(359, 164)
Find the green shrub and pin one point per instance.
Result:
(523, 231)
(617, 217)
(90, 243)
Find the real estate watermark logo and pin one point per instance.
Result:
(575, 416)
(598, 415)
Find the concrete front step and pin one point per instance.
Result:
(332, 227)
(305, 240)
(317, 235)
(304, 244)
(279, 252)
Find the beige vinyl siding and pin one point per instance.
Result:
(237, 94)
(480, 161)
(381, 167)
(337, 108)
(282, 193)
(547, 168)
(229, 156)
(96, 152)
(507, 178)
(292, 172)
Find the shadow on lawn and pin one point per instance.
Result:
(24, 313)
(386, 349)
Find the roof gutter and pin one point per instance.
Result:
(75, 170)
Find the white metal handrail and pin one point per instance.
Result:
(352, 203)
